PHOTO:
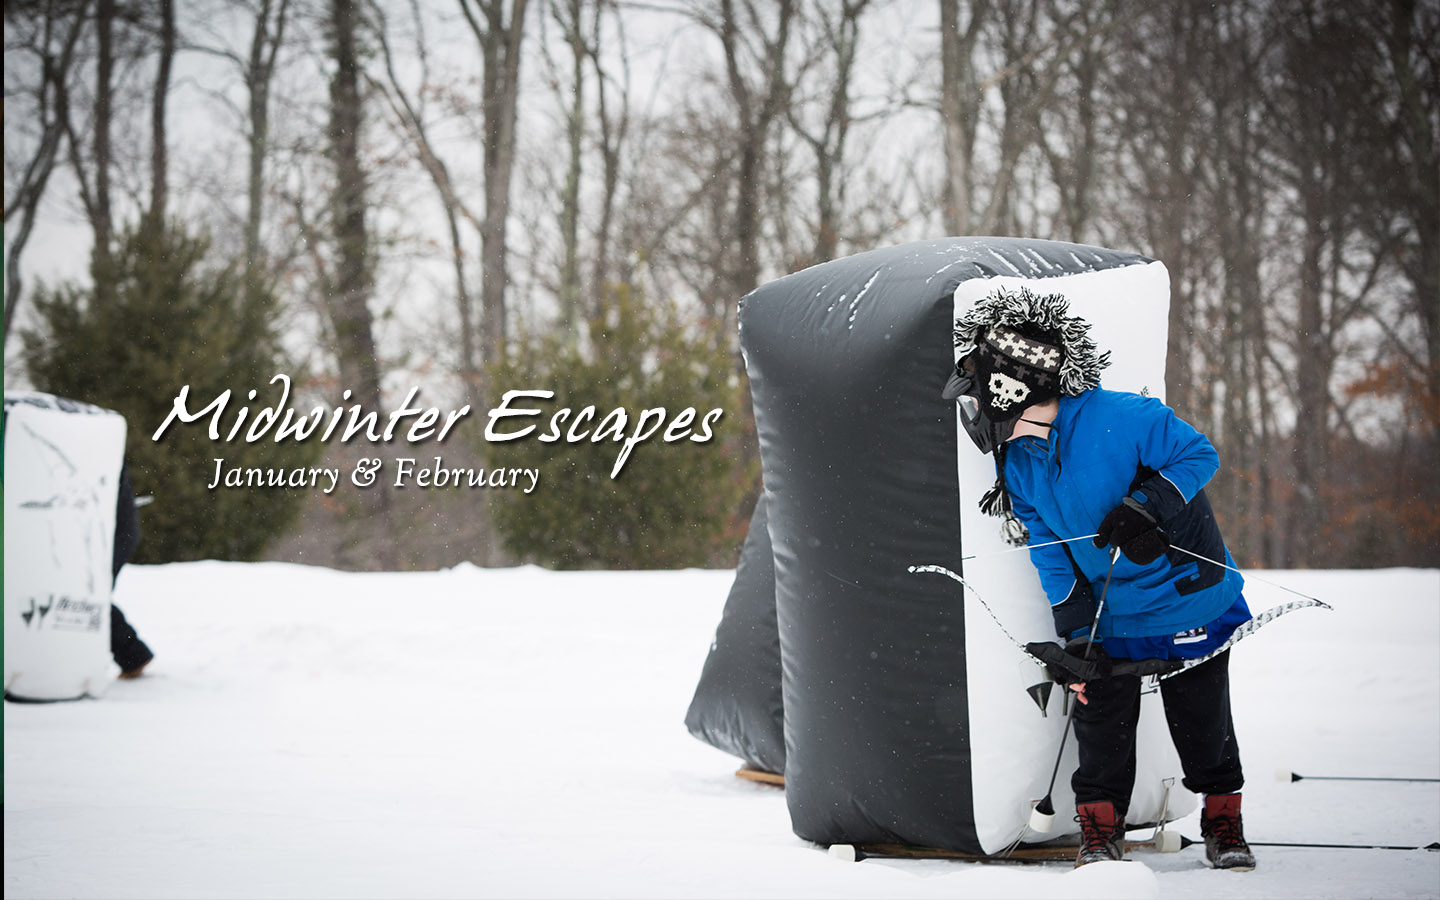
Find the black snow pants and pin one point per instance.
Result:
(126, 648)
(1197, 710)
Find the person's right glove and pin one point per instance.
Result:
(1075, 663)
(1131, 528)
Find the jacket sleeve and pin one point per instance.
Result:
(1176, 460)
(1072, 600)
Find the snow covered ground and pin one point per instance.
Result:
(519, 733)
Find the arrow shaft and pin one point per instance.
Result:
(1430, 847)
(1295, 776)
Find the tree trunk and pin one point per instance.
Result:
(1241, 501)
(100, 222)
(499, 42)
(159, 160)
(572, 25)
(1075, 191)
(612, 138)
(348, 300)
(959, 110)
(1174, 200)
(265, 43)
(350, 304)
(1312, 401)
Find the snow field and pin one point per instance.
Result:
(519, 733)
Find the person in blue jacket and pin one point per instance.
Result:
(1074, 460)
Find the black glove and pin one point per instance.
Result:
(1068, 665)
(1132, 529)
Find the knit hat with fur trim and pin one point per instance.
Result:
(1081, 365)
(1024, 348)
(1015, 368)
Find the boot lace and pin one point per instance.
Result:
(1227, 832)
(1096, 834)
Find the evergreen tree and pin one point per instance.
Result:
(170, 319)
(674, 503)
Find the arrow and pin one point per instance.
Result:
(1293, 777)
(1432, 847)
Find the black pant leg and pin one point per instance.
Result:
(1105, 737)
(1197, 709)
(126, 648)
(127, 523)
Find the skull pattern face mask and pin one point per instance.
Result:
(984, 432)
(1009, 371)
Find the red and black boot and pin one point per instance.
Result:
(1102, 833)
(1220, 825)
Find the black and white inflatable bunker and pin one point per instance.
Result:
(62, 475)
(903, 704)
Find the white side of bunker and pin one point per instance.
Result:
(62, 471)
(1128, 309)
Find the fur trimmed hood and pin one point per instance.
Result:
(1080, 370)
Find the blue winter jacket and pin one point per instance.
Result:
(1102, 446)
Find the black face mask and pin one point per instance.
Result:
(987, 434)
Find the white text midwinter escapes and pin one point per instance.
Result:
(509, 421)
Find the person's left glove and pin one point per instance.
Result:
(1131, 528)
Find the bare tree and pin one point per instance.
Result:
(1239, 208)
(347, 292)
(1070, 133)
(97, 199)
(1030, 45)
(1033, 47)
(679, 220)
(960, 101)
(159, 158)
(409, 110)
(754, 39)
(838, 39)
(586, 91)
(1325, 125)
(258, 74)
(1155, 82)
(256, 68)
(119, 38)
(348, 298)
(50, 36)
(1407, 35)
(499, 29)
(612, 98)
(570, 17)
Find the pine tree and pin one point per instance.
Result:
(674, 503)
(169, 318)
